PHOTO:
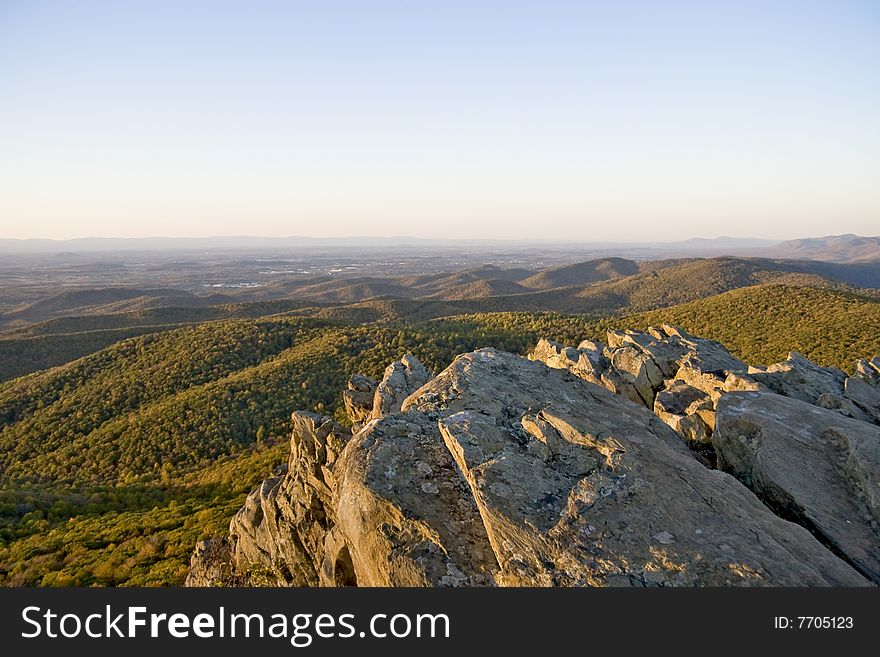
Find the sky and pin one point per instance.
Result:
(618, 120)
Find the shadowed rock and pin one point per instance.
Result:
(278, 538)
(358, 399)
(864, 396)
(809, 464)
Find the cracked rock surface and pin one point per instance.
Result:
(503, 470)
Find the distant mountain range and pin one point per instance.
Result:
(724, 243)
(831, 248)
(594, 286)
(245, 242)
(239, 242)
(834, 248)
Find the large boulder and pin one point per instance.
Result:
(405, 512)
(690, 412)
(864, 396)
(401, 378)
(504, 470)
(802, 379)
(358, 398)
(621, 384)
(594, 353)
(639, 370)
(809, 464)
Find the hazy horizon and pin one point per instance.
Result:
(386, 238)
(382, 240)
(583, 121)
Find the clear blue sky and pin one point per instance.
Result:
(592, 120)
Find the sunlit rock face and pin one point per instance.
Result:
(576, 466)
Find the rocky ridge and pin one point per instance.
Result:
(655, 459)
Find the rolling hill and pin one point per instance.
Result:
(833, 248)
(480, 289)
(114, 462)
(105, 301)
(600, 288)
(127, 456)
(761, 324)
(582, 273)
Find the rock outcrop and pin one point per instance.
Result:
(809, 464)
(283, 533)
(401, 378)
(801, 379)
(682, 377)
(358, 398)
(505, 471)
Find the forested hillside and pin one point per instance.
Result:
(116, 459)
(762, 324)
(119, 452)
(59, 330)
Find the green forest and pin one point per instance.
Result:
(117, 461)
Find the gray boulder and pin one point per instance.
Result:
(865, 397)
(802, 379)
(574, 486)
(809, 464)
(401, 378)
(358, 399)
